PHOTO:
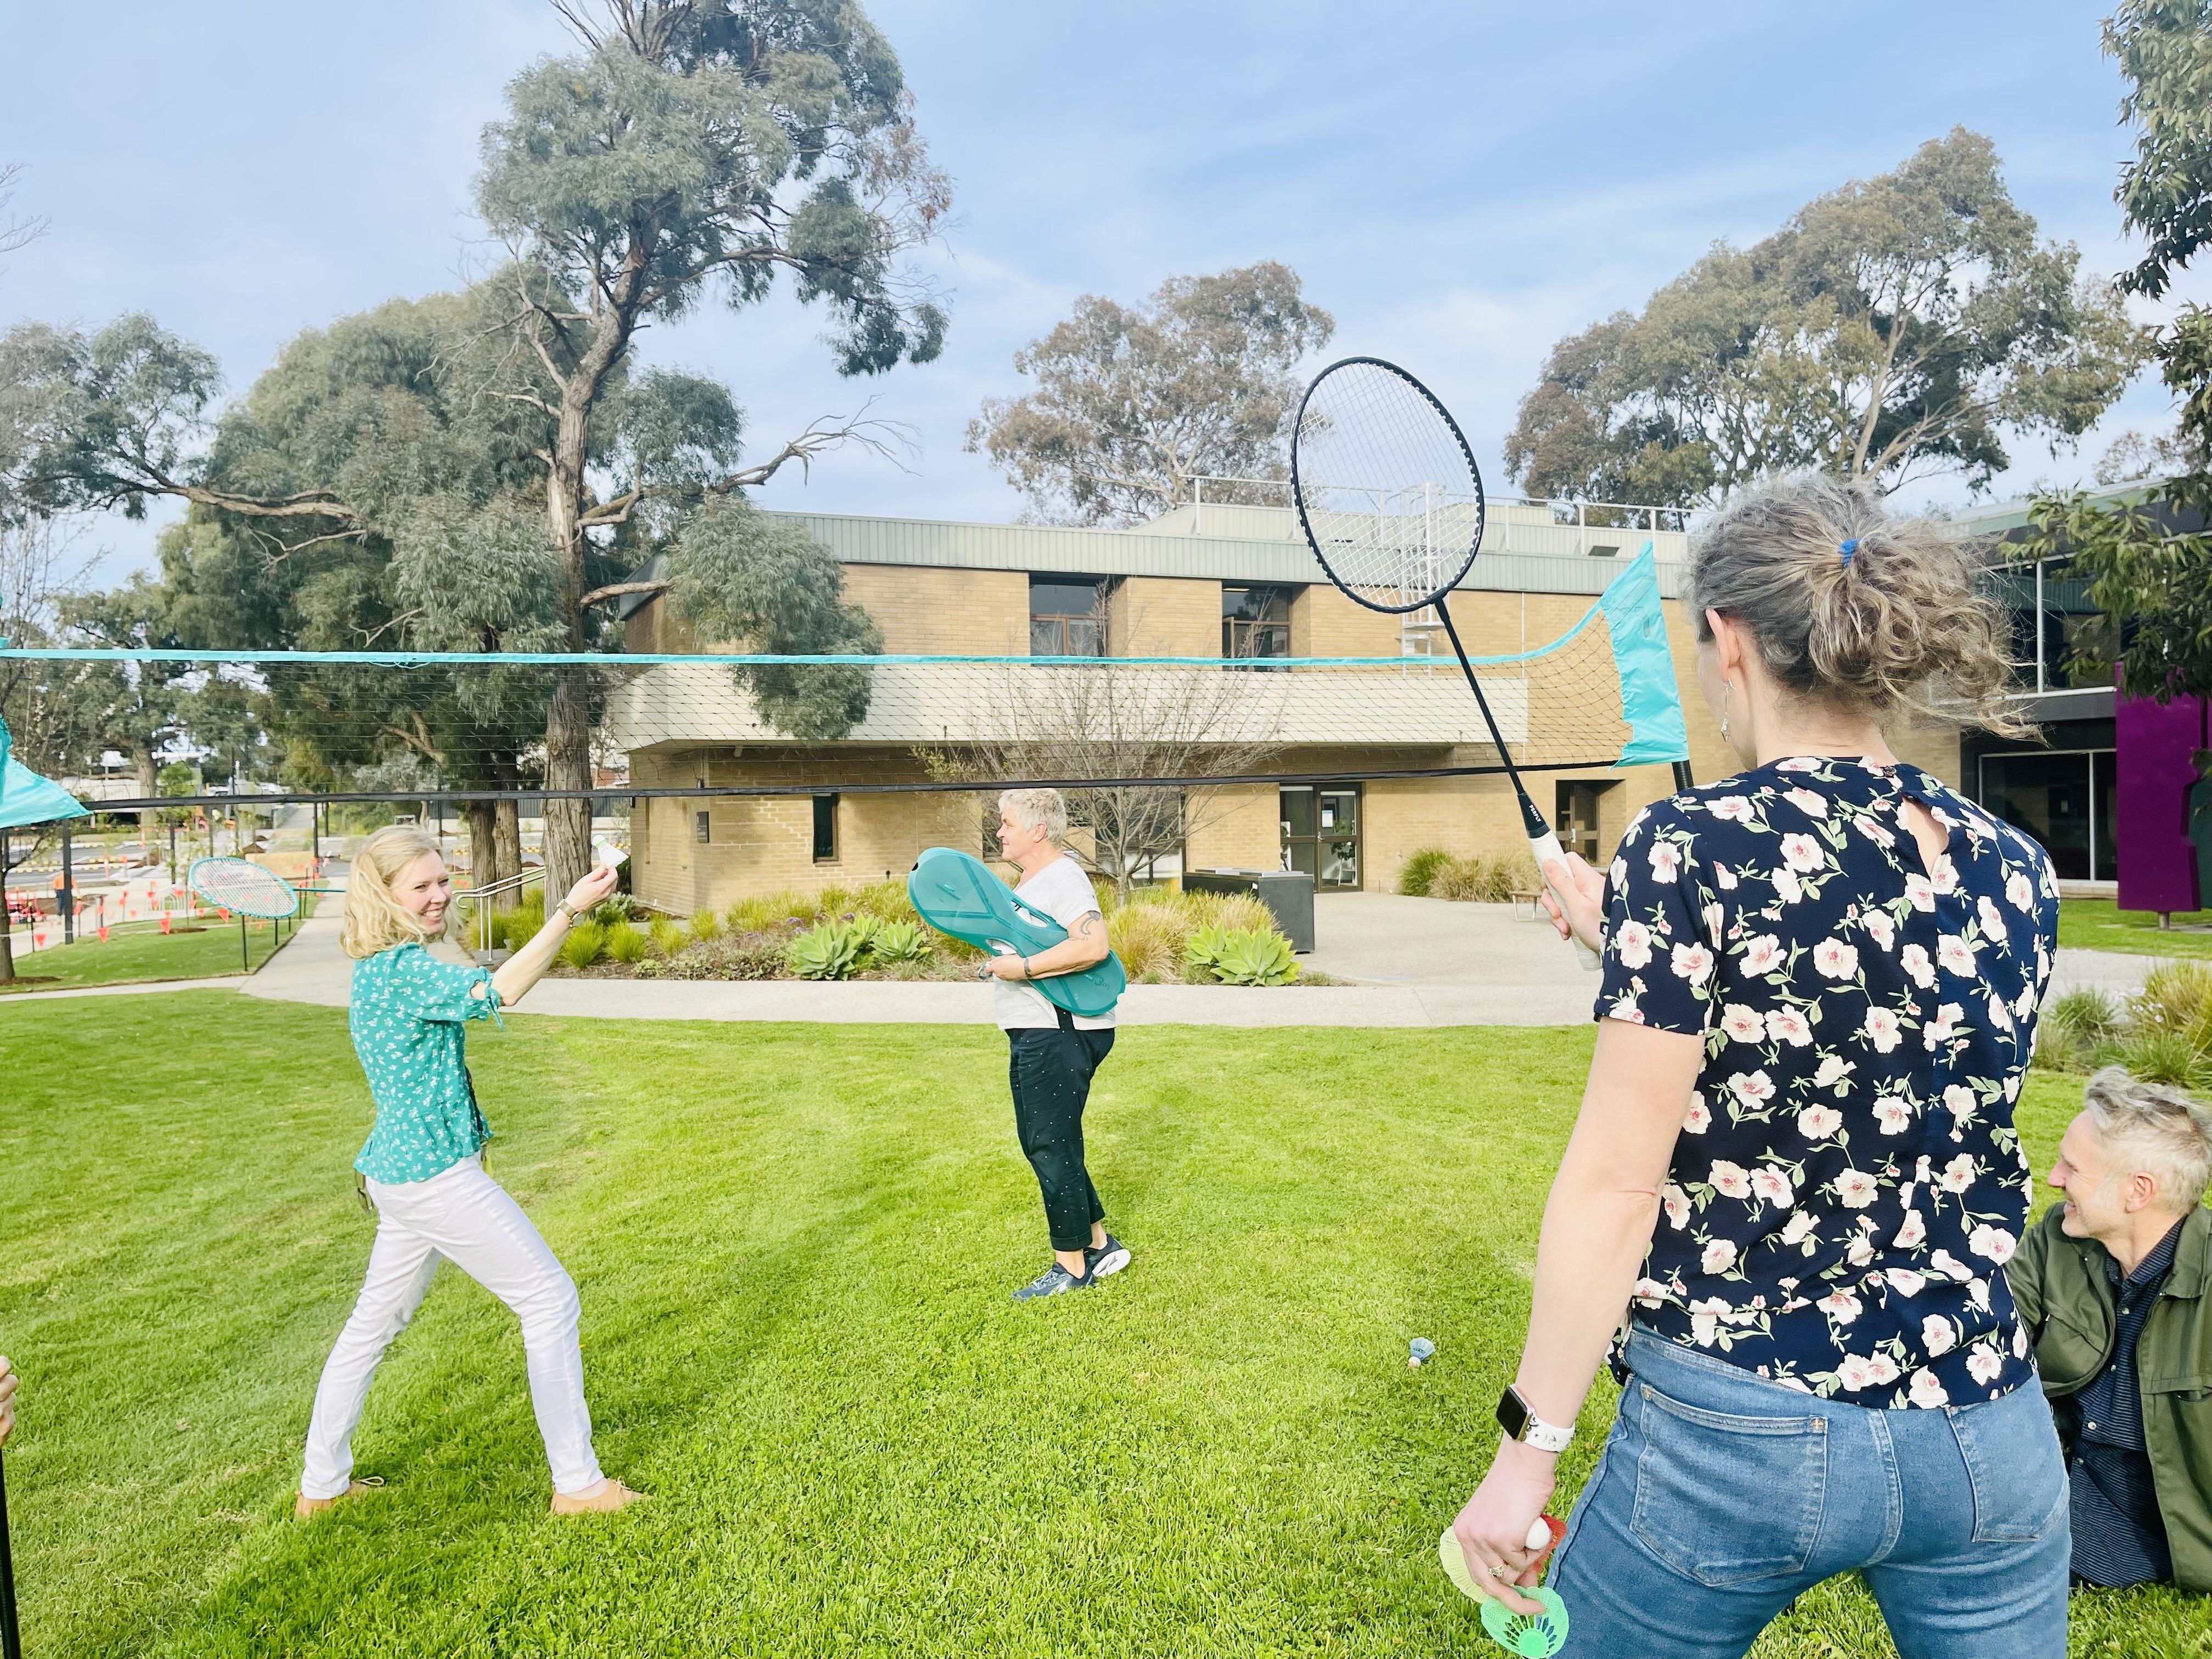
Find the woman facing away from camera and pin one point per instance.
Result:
(423, 1172)
(1794, 1165)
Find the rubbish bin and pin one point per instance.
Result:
(1288, 895)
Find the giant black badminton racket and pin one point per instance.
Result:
(1392, 506)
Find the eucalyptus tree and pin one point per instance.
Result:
(688, 152)
(1133, 402)
(2150, 561)
(1900, 326)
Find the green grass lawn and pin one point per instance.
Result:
(2098, 925)
(794, 1245)
(139, 952)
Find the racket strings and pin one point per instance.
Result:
(1388, 491)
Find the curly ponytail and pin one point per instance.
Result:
(1892, 622)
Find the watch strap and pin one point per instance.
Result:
(1545, 1436)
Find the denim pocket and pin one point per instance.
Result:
(1724, 1499)
(2018, 1473)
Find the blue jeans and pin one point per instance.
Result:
(1722, 1497)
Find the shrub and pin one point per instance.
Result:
(886, 901)
(2176, 996)
(827, 951)
(626, 943)
(732, 956)
(2058, 1049)
(668, 936)
(585, 940)
(2157, 1055)
(1149, 939)
(705, 925)
(2083, 1018)
(766, 910)
(1201, 952)
(1420, 869)
(614, 907)
(1248, 956)
(898, 942)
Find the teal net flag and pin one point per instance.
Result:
(1651, 701)
(25, 797)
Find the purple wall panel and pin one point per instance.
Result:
(2155, 775)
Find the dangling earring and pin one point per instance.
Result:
(1725, 689)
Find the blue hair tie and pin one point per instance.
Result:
(1848, 547)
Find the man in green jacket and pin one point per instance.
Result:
(2112, 1286)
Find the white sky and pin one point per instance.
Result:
(1460, 183)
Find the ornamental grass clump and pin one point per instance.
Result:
(705, 925)
(584, 945)
(1419, 870)
(668, 937)
(626, 944)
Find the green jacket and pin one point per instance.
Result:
(2066, 1303)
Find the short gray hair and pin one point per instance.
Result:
(2163, 1132)
(1033, 807)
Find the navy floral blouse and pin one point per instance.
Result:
(1848, 1181)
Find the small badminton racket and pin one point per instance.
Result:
(1392, 505)
(245, 889)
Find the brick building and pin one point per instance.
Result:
(1210, 582)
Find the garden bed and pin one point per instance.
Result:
(1163, 937)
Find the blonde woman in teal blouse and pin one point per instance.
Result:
(423, 1166)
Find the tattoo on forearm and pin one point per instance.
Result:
(1086, 925)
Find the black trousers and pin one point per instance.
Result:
(1050, 1072)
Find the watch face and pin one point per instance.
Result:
(1512, 1414)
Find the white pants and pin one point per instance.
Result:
(465, 1216)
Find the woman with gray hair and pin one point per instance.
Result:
(2112, 1286)
(1794, 1171)
(1051, 1055)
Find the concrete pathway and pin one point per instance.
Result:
(1415, 962)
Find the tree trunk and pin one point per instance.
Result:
(507, 848)
(149, 782)
(483, 854)
(568, 766)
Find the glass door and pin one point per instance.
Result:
(1321, 833)
(2065, 800)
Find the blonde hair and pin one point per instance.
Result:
(1033, 807)
(1894, 623)
(374, 921)
(2163, 1132)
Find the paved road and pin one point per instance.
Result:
(1415, 962)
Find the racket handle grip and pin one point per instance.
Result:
(1546, 848)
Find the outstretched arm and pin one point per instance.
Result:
(512, 978)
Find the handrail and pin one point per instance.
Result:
(478, 895)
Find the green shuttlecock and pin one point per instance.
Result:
(1537, 1638)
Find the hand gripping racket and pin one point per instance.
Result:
(1392, 506)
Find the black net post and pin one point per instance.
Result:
(11, 1642)
(68, 890)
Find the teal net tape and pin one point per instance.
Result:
(1651, 702)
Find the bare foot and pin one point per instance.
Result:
(604, 1499)
(305, 1508)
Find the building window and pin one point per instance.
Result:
(1255, 621)
(2065, 799)
(825, 828)
(700, 822)
(1321, 833)
(1068, 616)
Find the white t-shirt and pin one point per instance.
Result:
(1063, 892)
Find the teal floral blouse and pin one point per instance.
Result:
(1848, 1184)
(406, 1018)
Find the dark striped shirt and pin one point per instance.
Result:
(2120, 1537)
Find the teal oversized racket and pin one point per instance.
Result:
(959, 895)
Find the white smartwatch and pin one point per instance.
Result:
(1522, 1424)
